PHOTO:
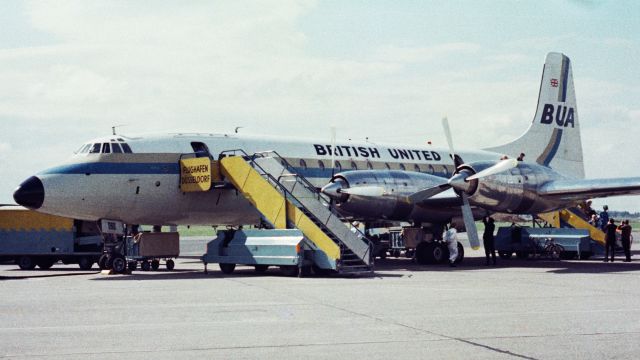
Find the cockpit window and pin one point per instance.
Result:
(95, 149)
(116, 148)
(84, 149)
(106, 148)
(126, 148)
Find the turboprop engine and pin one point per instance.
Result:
(377, 194)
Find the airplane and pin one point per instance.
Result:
(136, 179)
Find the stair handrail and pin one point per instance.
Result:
(277, 183)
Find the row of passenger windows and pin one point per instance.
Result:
(353, 166)
(105, 148)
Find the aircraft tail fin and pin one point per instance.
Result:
(553, 138)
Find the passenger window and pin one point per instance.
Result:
(95, 149)
(387, 166)
(320, 165)
(445, 171)
(303, 164)
(116, 148)
(369, 165)
(431, 170)
(338, 165)
(402, 167)
(354, 166)
(126, 148)
(106, 148)
(416, 168)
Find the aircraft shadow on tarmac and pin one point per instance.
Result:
(35, 274)
(592, 266)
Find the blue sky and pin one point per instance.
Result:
(387, 70)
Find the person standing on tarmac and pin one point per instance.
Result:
(604, 217)
(625, 236)
(488, 240)
(610, 230)
(451, 238)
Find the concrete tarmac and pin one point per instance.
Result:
(519, 309)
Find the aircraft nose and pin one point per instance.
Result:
(30, 193)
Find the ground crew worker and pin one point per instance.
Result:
(521, 157)
(451, 238)
(488, 240)
(610, 230)
(625, 236)
(604, 217)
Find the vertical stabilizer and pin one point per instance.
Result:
(553, 138)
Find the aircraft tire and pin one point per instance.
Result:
(585, 255)
(522, 254)
(155, 265)
(85, 263)
(422, 253)
(26, 263)
(170, 264)
(119, 264)
(227, 268)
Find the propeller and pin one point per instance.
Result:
(467, 214)
(447, 134)
(501, 166)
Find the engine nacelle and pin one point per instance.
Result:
(511, 191)
(395, 185)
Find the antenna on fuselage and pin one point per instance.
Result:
(113, 128)
(237, 128)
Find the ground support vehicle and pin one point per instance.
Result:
(150, 248)
(287, 249)
(33, 239)
(429, 249)
(525, 242)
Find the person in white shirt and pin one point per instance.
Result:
(451, 238)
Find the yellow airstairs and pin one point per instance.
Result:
(571, 218)
(288, 200)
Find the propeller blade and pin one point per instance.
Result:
(424, 194)
(372, 191)
(469, 223)
(501, 166)
(447, 134)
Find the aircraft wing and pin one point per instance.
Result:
(592, 188)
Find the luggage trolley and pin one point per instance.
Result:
(149, 249)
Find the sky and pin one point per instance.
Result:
(386, 70)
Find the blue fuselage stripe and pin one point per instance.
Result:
(115, 168)
(111, 168)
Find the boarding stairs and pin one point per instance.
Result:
(572, 218)
(287, 200)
